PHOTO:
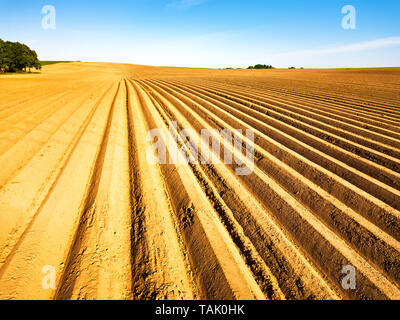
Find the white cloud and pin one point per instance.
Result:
(361, 46)
(183, 4)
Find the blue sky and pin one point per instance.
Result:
(209, 33)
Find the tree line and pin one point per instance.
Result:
(17, 57)
(261, 66)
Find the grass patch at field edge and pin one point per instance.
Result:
(46, 63)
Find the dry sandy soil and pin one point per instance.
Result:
(78, 194)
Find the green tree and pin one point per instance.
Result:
(261, 66)
(2, 56)
(16, 57)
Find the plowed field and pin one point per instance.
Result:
(77, 193)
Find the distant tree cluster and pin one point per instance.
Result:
(17, 57)
(261, 66)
